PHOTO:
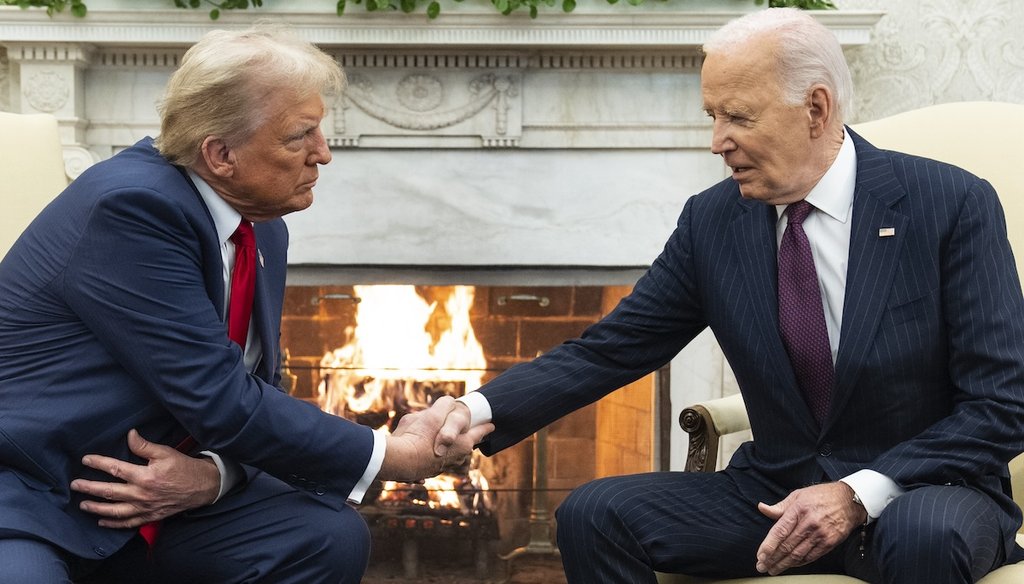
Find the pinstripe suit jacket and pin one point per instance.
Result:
(930, 369)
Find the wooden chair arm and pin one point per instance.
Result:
(708, 421)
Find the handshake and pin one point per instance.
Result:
(429, 441)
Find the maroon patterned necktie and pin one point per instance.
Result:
(801, 315)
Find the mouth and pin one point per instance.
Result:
(739, 171)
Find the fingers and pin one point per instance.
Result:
(776, 544)
(102, 490)
(792, 555)
(770, 511)
(117, 504)
(459, 452)
(118, 469)
(808, 523)
(118, 515)
(476, 434)
(426, 422)
(455, 424)
(139, 445)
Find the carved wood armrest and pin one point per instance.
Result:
(708, 421)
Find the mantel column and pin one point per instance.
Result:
(50, 78)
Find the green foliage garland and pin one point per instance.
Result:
(433, 7)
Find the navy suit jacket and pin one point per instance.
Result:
(111, 319)
(930, 368)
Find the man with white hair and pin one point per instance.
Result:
(869, 306)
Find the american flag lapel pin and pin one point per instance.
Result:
(886, 232)
(260, 255)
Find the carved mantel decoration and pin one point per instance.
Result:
(466, 80)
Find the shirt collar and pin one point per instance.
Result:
(225, 218)
(833, 195)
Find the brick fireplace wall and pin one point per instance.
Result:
(513, 324)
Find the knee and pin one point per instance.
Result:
(583, 504)
(908, 533)
(31, 562)
(590, 507)
(345, 539)
(918, 532)
(332, 547)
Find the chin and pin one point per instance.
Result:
(752, 194)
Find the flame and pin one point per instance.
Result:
(402, 354)
(392, 343)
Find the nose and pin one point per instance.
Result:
(321, 153)
(720, 140)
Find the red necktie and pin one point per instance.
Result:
(243, 290)
(243, 283)
(801, 316)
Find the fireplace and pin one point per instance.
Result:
(434, 340)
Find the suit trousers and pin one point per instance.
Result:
(264, 532)
(622, 529)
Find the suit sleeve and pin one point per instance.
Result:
(644, 332)
(983, 312)
(136, 280)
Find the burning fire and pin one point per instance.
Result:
(402, 354)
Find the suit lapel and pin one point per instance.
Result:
(213, 271)
(753, 233)
(263, 320)
(877, 236)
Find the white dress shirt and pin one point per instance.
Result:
(828, 231)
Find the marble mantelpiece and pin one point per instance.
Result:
(472, 140)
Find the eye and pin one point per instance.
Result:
(739, 119)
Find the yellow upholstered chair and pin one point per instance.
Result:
(31, 170)
(982, 137)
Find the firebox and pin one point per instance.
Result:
(373, 353)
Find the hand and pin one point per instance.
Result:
(411, 454)
(809, 523)
(456, 424)
(170, 483)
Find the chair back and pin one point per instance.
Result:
(985, 138)
(31, 171)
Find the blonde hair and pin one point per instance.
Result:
(806, 52)
(226, 79)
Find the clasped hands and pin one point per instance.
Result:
(424, 444)
(430, 441)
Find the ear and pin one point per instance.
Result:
(219, 157)
(820, 110)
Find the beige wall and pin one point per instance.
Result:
(925, 52)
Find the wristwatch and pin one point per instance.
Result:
(867, 516)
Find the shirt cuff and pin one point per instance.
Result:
(230, 473)
(380, 442)
(479, 408)
(874, 489)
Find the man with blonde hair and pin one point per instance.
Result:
(869, 306)
(143, 435)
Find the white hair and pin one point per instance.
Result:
(806, 52)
